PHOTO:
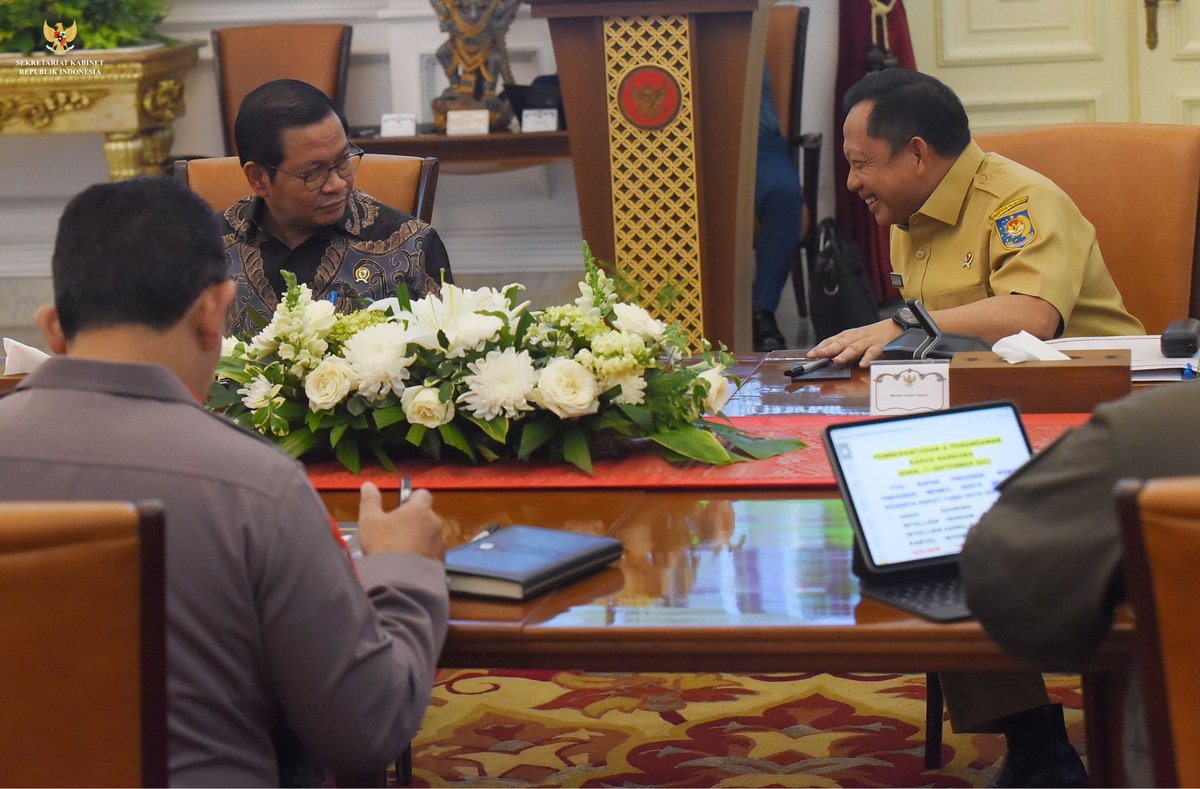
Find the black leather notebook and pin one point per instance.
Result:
(519, 562)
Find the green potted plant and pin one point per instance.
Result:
(100, 24)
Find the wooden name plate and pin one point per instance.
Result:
(1074, 386)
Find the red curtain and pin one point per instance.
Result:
(853, 218)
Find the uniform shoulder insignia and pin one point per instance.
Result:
(1016, 229)
(1008, 207)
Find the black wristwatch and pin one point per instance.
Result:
(904, 318)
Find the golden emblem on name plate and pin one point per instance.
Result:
(60, 39)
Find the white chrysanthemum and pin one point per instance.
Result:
(454, 313)
(719, 390)
(635, 320)
(567, 389)
(329, 384)
(500, 384)
(377, 359)
(633, 389)
(423, 406)
(259, 393)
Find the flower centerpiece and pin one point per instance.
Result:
(475, 374)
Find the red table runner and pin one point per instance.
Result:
(807, 468)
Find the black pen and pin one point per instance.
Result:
(488, 532)
(807, 366)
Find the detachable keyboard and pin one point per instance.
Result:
(939, 599)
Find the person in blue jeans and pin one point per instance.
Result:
(777, 208)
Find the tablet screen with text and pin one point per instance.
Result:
(914, 485)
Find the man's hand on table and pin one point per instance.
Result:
(410, 528)
(864, 343)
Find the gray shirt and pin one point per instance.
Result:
(1042, 568)
(268, 627)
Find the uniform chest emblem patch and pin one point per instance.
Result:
(1016, 229)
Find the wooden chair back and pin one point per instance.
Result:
(406, 183)
(1139, 185)
(246, 57)
(1160, 523)
(83, 629)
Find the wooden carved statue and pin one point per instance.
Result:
(474, 58)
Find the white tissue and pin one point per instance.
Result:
(21, 358)
(1024, 347)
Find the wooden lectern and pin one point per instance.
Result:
(662, 101)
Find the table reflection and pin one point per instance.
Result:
(726, 560)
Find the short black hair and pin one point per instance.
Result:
(271, 109)
(138, 252)
(910, 104)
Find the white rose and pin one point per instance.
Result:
(635, 320)
(422, 406)
(718, 389)
(319, 317)
(328, 384)
(568, 389)
(258, 393)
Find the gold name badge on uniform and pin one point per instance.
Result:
(897, 279)
(362, 274)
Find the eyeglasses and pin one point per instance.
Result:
(315, 178)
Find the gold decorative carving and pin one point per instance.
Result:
(163, 100)
(37, 110)
(656, 223)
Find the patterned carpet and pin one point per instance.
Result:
(528, 728)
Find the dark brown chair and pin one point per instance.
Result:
(246, 57)
(787, 35)
(406, 183)
(1139, 184)
(83, 628)
(1160, 532)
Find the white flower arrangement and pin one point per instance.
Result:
(476, 371)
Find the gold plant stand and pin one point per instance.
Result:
(131, 95)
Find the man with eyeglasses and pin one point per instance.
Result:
(306, 217)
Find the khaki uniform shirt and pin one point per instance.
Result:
(268, 628)
(994, 227)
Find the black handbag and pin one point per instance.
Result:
(841, 296)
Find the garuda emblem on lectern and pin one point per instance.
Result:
(60, 39)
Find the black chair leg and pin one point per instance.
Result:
(934, 704)
(404, 767)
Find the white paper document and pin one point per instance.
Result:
(1146, 362)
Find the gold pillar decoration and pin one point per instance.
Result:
(652, 153)
(474, 58)
(131, 96)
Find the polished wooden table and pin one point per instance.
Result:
(477, 153)
(740, 581)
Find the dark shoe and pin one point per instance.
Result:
(1039, 753)
(767, 336)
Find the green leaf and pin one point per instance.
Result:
(415, 435)
(335, 435)
(356, 405)
(386, 417)
(753, 446)
(313, 420)
(298, 442)
(453, 436)
(642, 416)
(347, 453)
(381, 456)
(575, 449)
(496, 429)
(534, 434)
(694, 443)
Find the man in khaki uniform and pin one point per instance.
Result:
(989, 246)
